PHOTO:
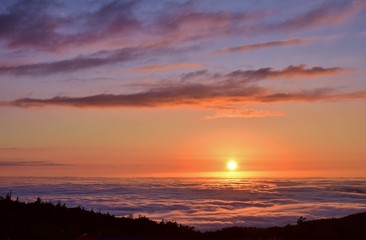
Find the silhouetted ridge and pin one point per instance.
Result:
(44, 220)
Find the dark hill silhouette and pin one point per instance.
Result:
(42, 220)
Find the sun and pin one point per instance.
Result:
(232, 165)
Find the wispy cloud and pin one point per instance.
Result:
(241, 112)
(10, 149)
(326, 14)
(161, 33)
(57, 27)
(363, 33)
(186, 23)
(83, 62)
(290, 71)
(318, 94)
(191, 95)
(195, 74)
(232, 88)
(39, 24)
(255, 46)
(165, 67)
(21, 18)
(29, 163)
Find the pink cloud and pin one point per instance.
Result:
(241, 112)
(156, 68)
(255, 46)
(329, 13)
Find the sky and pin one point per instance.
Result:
(178, 88)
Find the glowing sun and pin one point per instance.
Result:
(232, 165)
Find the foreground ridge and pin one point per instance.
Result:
(45, 220)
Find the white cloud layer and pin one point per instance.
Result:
(204, 203)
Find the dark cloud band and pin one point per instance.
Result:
(231, 88)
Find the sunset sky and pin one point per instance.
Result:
(178, 88)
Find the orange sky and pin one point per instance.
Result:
(180, 142)
(181, 92)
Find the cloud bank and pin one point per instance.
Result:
(207, 203)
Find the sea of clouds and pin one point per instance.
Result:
(206, 203)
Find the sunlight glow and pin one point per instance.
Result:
(232, 165)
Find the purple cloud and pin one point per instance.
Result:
(82, 62)
(232, 88)
(50, 25)
(249, 47)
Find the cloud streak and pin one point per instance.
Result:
(191, 95)
(250, 47)
(241, 112)
(23, 163)
(237, 87)
(89, 61)
(290, 71)
(188, 24)
(326, 14)
(166, 67)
